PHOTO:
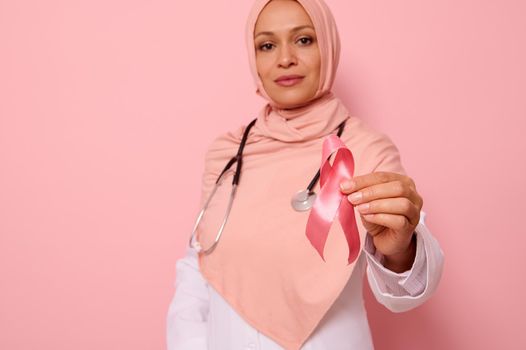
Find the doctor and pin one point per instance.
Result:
(264, 287)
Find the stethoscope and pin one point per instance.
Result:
(301, 201)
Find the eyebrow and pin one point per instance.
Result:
(295, 29)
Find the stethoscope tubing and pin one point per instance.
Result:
(238, 158)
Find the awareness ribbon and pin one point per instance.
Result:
(331, 202)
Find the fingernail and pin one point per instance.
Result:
(347, 185)
(355, 197)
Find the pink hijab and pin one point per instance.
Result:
(264, 266)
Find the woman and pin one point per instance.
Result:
(263, 286)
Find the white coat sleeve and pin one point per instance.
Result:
(186, 322)
(404, 291)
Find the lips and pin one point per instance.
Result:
(289, 80)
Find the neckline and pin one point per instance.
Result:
(312, 121)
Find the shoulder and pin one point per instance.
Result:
(358, 133)
(372, 150)
(223, 147)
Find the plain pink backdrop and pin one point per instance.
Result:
(106, 110)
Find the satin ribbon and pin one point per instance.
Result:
(331, 202)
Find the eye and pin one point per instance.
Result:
(305, 40)
(265, 46)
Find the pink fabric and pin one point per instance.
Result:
(264, 266)
(331, 205)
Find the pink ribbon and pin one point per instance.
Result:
(331, 202)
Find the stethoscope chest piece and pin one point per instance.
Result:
(303, 200)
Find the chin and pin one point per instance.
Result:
(293, 102)
(290, 98)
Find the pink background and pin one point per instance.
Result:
(107, 107)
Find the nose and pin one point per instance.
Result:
(287, 56)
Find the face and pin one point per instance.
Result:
(286, 47)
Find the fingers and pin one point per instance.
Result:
(394, 189)
(397, 223)
(363, 181)
(394, 206)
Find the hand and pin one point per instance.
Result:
(389, 207)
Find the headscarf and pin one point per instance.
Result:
(264, 266)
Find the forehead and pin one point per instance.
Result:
(281, 15)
